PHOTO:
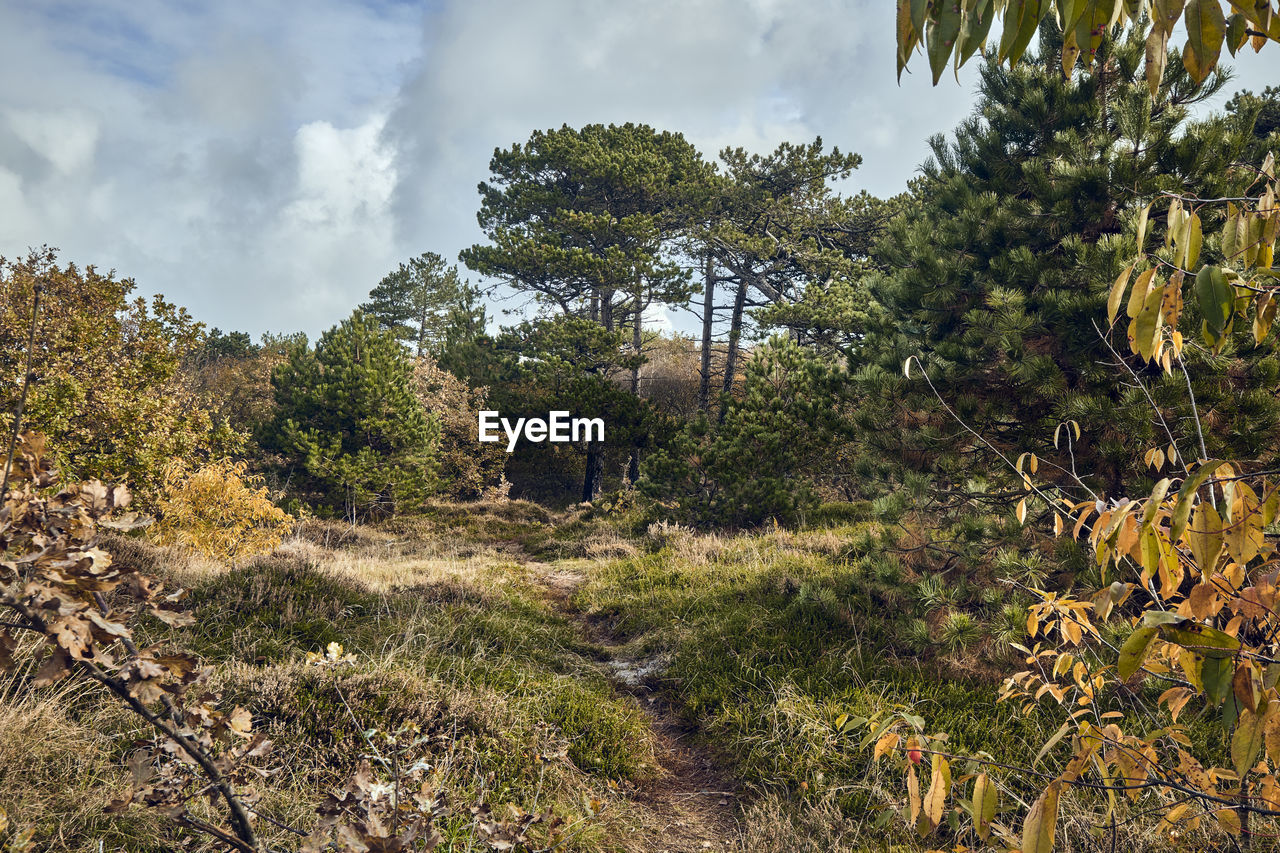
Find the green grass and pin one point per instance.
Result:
(766, 641)
(770, 639)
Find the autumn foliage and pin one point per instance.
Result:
(219, 510)
(1193, 593)
(111, 395)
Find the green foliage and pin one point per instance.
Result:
(751, 466)
(1263, 111)
(567, 363)
(770, 646)
(108, 390)
(356, 439)
(585, 221)
(424, 304)
(575, 216)
(235, 378)
(782, 232)
(999, 276)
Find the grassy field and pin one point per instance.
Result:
(660, 690)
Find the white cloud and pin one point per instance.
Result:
(266, 164)
(338, 219)
(66, 138)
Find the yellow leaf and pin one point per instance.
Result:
(1171, 304)
(1264, 316)
(1247, 685)
(885, 745)
(1195, 238)
(1243, 535)
(1229, 820)
(1041, 822)
(1138, 296)
(1117, 289)
(1021, 511)
(1204, 536)
(1148, 323)
(1143, 218)
(1206, 28)
(936, 798)
(1271, 733)
(984, 805)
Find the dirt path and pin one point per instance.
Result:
(693, 802)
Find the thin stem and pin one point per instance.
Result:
(1167, 431)
(246, 838)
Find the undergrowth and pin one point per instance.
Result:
(765, 644)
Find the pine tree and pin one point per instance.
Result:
(757, 462)
(426, 305)
(569, 364)
(1000, 271)
(585, 221)
(356, 437)
(779, 231)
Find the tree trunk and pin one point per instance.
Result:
(735, 332)
(594, 475)
(636, 340)
(633, 464)
(606, 310)
(708, 319)
(422, 328)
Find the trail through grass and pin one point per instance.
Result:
(658, 691)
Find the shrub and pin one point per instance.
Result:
(468, 469)
(218, 510)
(756, 463)
(108, 390)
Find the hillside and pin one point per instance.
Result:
(659, 691)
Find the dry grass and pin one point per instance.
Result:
(451, 632)
(59, 768)
(459, 623)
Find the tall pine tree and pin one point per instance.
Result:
(426, 305)
(999, 273)
(585, 221)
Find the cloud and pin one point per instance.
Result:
(265, 165)
(225, 157)
(724, 72)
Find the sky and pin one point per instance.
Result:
(265, 163)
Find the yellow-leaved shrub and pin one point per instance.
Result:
(219, 510)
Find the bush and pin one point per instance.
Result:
(756, 464)
(357, 440)
(218, 510)
(109, 392)
(468, 469)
